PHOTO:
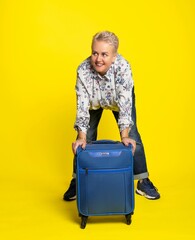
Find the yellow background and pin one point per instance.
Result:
(41, 44)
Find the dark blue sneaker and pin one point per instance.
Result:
(70, 194)
(147, 189)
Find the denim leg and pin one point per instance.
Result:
(95, 116)
(140, 166)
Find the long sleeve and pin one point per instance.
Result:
(82, 116)
(124, 86)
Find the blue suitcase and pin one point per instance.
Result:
(104, 180)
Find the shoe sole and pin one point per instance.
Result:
(70, 199)
(139, 192)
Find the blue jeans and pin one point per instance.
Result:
(140, 166)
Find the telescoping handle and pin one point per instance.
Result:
(104, 141)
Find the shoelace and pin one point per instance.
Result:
(151, 184)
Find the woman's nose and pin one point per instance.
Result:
(99, 58)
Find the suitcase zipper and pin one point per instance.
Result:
(105, 170)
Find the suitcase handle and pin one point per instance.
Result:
(104, 142)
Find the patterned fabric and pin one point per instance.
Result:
(112, 91)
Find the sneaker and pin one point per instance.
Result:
(147, 189)
(70, 194)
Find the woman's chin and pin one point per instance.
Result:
(101, 71)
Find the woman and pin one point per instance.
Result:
(104, 81)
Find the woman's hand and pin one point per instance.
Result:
(79, 142)
(126, 141)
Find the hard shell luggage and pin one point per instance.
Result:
(104, 180)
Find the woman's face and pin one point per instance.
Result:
(102, 57)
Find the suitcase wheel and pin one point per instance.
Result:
(83, 221)
(128, 218)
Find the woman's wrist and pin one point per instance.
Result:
(81, 136)
(125, 133)
(82, 139)
(122, 137)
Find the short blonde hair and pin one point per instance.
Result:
(108, 37)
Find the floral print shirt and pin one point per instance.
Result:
(112, 91)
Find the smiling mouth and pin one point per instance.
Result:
(99, 64)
